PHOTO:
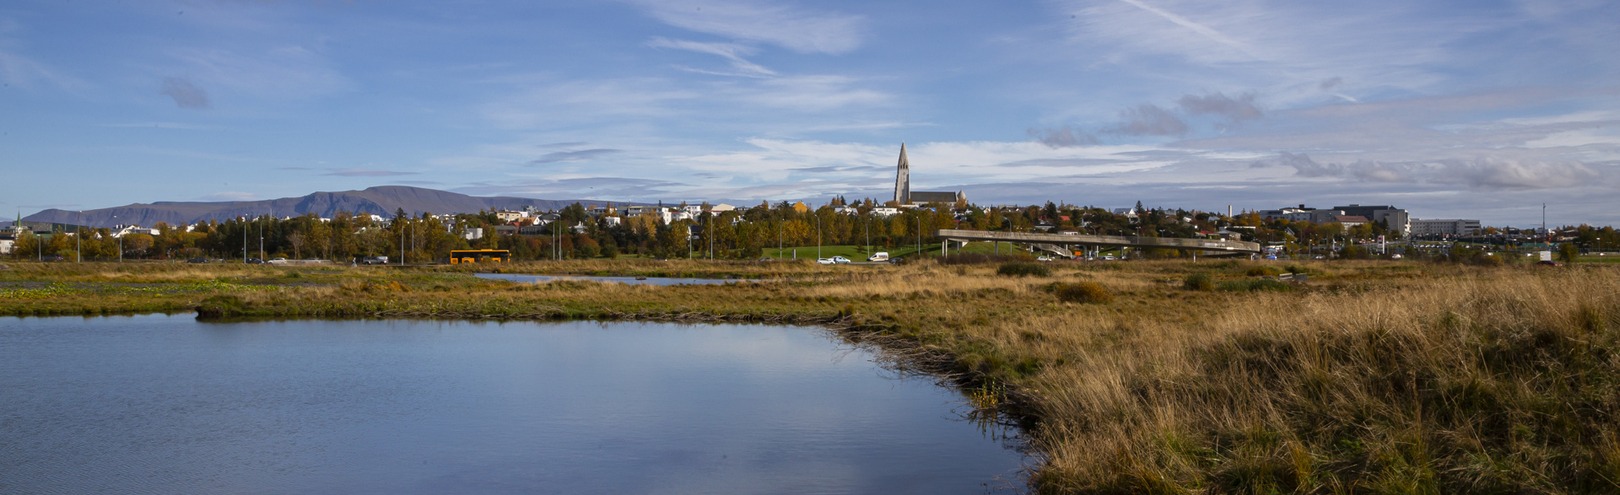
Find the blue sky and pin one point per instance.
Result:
(1474, 109)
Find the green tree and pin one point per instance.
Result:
(1568, 252)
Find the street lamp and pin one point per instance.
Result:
(919, 233)
(818, 236)
(120, 240)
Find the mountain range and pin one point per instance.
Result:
(380, 200)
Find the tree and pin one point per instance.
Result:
(296, 239)
(1568, 252)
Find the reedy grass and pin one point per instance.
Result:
(1373, 377)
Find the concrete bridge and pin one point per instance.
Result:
(1058, 243)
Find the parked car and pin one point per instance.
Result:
(1044, 258)
(836, 260)
(255, 261)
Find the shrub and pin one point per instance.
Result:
(221, 306)
(1023, 269)
(1082, 292)
(1199, 282)
(1263, 271)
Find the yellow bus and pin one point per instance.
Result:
(458, 256)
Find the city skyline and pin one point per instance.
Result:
(1450, 110)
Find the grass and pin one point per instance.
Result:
(1372, 377)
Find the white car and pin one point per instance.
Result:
(1044, 258)
(836, 260)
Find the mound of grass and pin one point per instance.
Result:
(1082, 292)
(1263, 271)
(221, 306)
(1198, 282)
(1255, 285)
(1023, 269)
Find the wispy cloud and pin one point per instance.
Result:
(161, 125)
(1233, 109)
(1063, 137)
(362, 172)
(798, 29)
(1485, 173)
(573, 156)
(732, 52)
(23, 72)
(1149, 120)
(281, 72)
(184, 93)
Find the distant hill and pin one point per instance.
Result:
(380, 200)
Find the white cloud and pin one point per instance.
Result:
(796, 29)
(277, 73)
(23, 72)
(733, 53)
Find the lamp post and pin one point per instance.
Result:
(818, 236)
(78, 235)
(919, 233)
(120, 241)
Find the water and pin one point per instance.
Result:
(518, 277)
(166, 404)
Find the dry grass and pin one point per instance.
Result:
(1372, 377)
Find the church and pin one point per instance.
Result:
(904, 196)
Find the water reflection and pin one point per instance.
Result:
(159, 404)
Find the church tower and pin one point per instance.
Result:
(902, 179)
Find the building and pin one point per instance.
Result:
(1444, 227)
(1348, 222)
(1394, 219)
(904, 196)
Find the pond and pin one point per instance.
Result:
(518, 277)
(168, 404)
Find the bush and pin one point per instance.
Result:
(1198, 282)
(1082, 292)
(1263, 271)
(1023, 269)
(221, 306)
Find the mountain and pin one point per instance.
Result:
(380, 200)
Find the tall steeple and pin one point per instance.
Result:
(902, 178)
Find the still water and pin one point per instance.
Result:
(166, 404)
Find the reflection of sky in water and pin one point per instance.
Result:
(518, 277)
(166, 404)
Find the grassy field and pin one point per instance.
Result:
(1130, 377)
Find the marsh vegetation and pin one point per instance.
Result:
(1147, 376)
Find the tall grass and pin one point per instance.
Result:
(1372, 377)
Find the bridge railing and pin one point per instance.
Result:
(1102, 240)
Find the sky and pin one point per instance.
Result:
(1451, 109)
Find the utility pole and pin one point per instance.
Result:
(919, 232)
(818, 236)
